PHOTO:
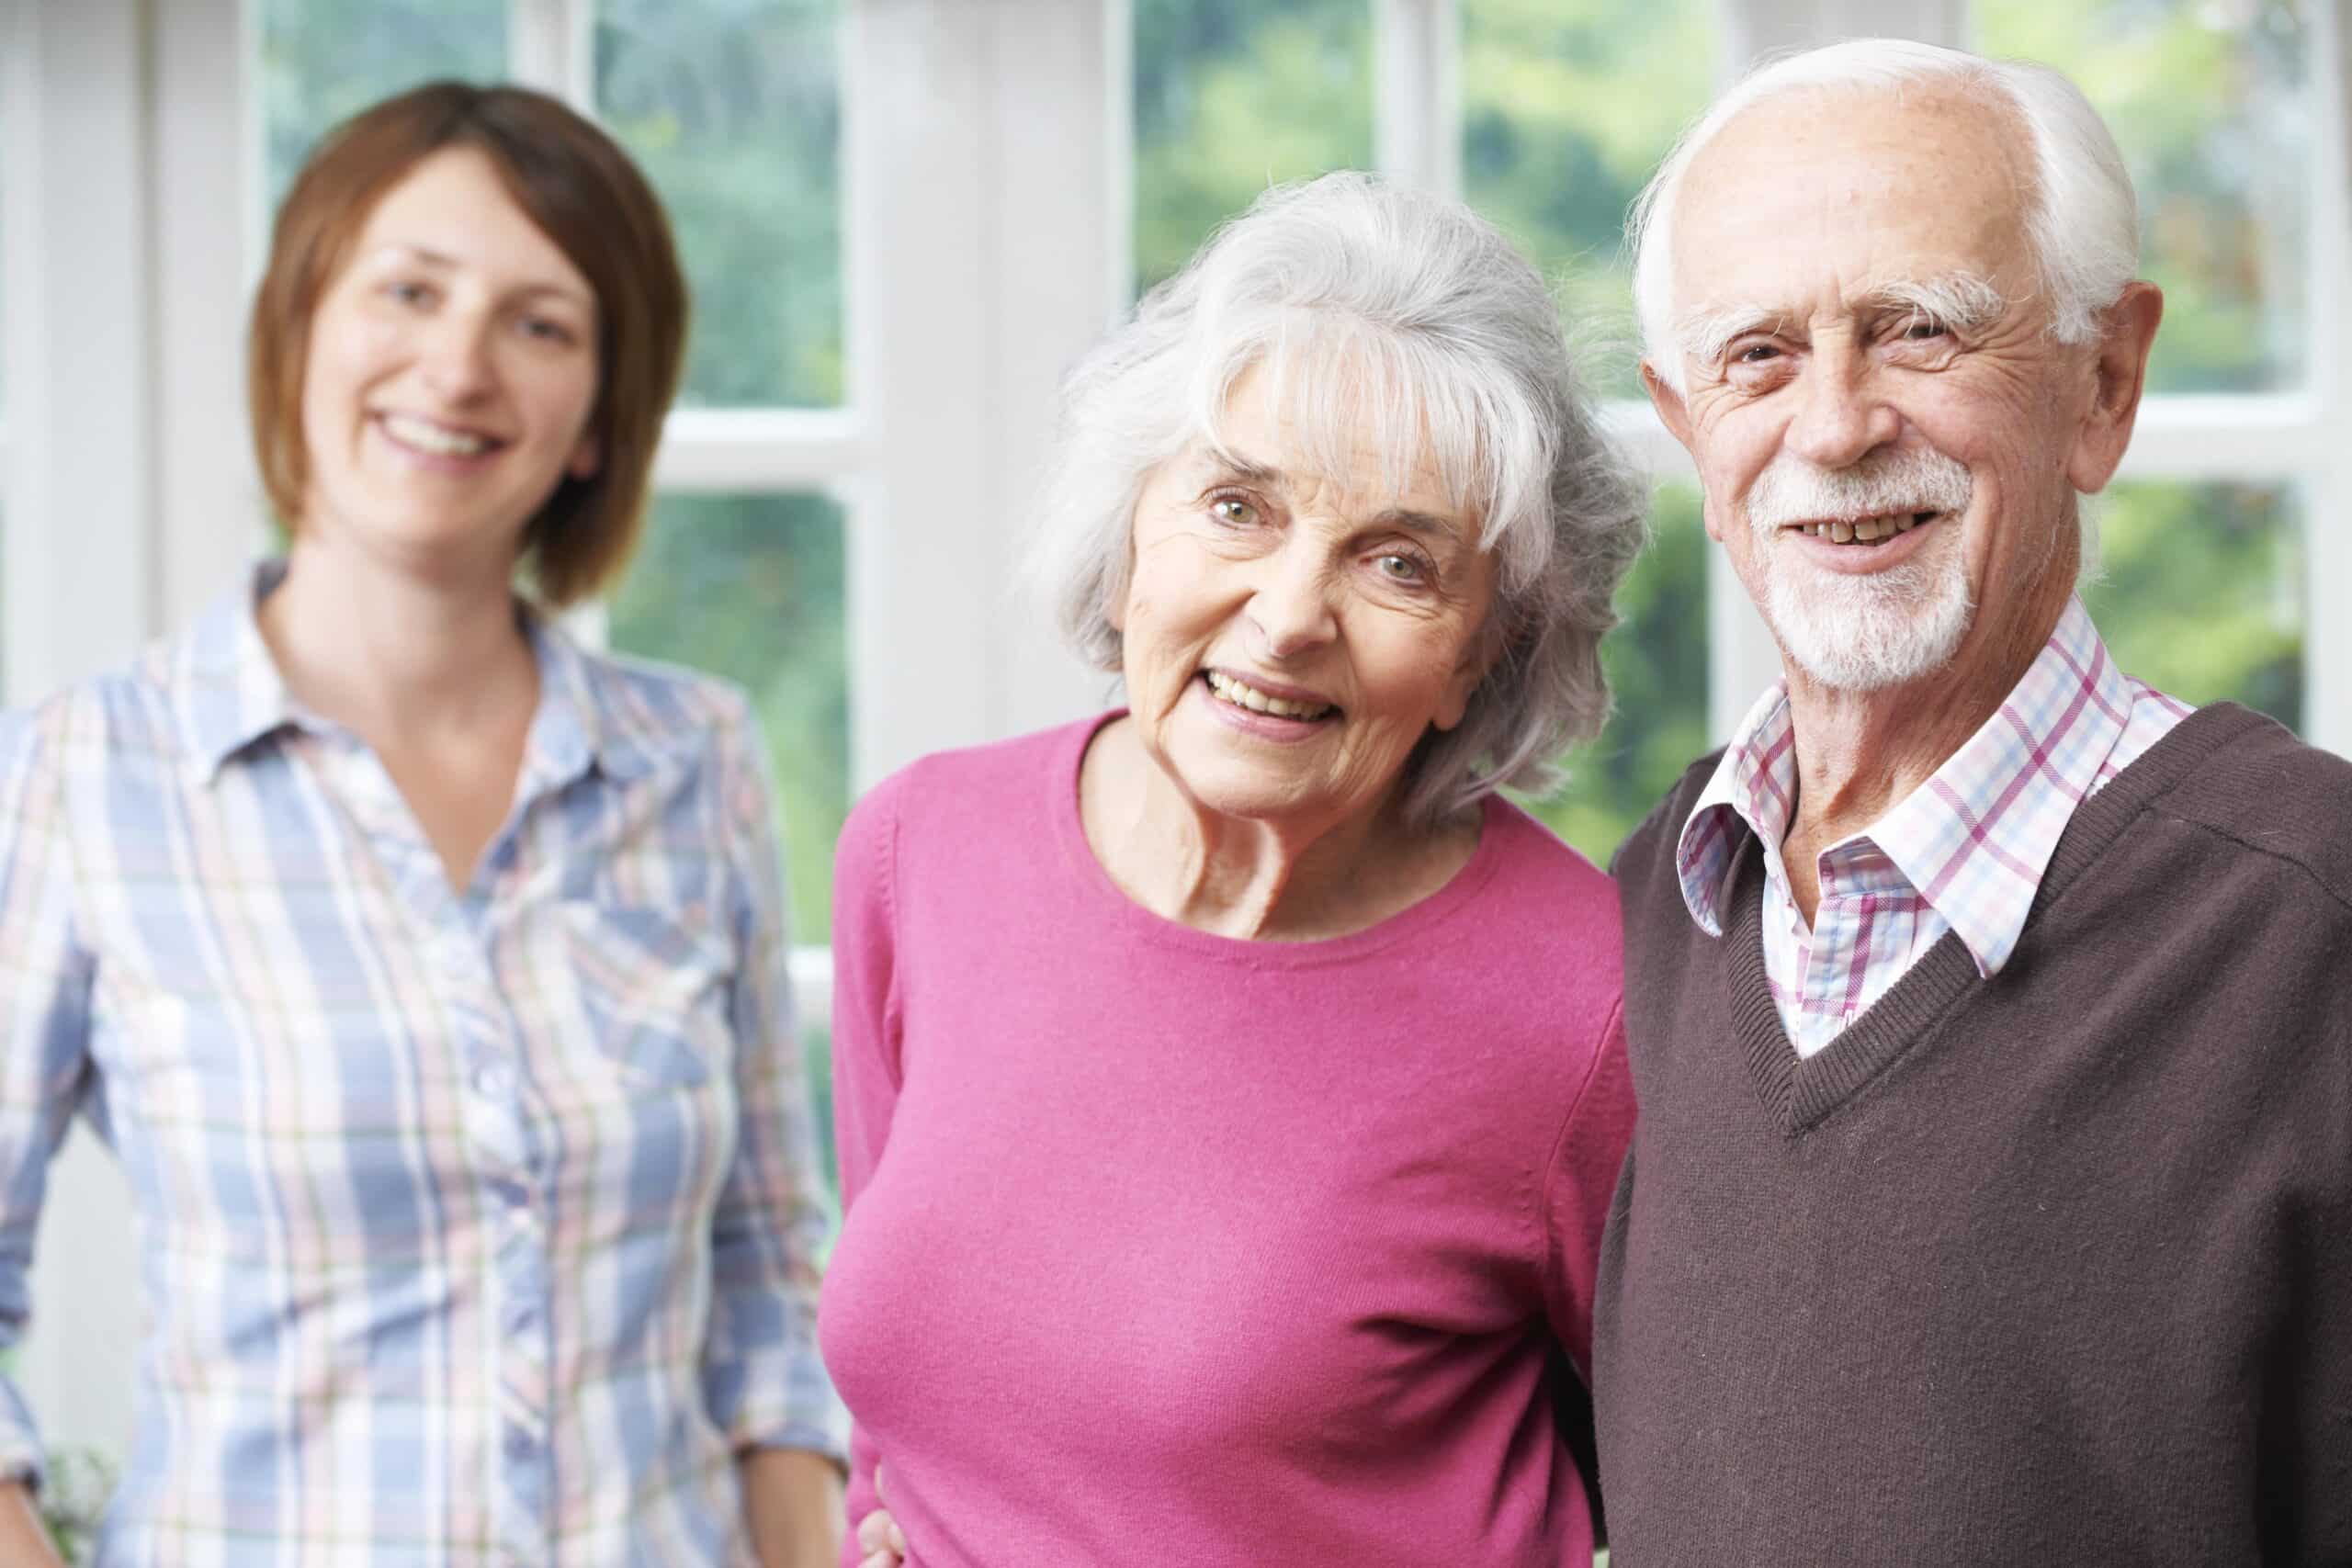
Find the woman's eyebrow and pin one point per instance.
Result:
(439, 261)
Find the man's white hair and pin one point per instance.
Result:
(1363, 303)
(2084, 226)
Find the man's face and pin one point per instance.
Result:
(1887, 437)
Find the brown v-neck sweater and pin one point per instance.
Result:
(2050, 1268)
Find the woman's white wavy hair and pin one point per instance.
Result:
(1363, 303)
(2084, 228)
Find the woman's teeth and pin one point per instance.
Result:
(427, 437)
(1866, 530)
(1256, 701)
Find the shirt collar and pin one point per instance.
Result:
(229, 696)
(1976, 837)
(1756, 783)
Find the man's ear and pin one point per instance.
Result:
(1668, 403)
(1675, 415)
(2127, 329)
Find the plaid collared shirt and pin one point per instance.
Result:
(1964, 853)
(476, 1227)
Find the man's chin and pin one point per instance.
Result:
(1870, 650)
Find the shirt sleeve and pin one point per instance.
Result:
(45, 979)
(866, 1039)
(1582, 1185)
(765, 1385)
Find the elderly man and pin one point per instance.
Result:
(1990, 1014)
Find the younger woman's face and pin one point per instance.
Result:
(451, 376)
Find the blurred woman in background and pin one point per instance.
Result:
(424, 971)
(1230, 1088)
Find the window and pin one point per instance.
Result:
(904, 221)
(2216, 106)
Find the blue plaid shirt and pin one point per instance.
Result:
(476, 1227)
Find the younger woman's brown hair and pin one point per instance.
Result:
(580, 189)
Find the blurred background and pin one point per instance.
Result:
(902, 218)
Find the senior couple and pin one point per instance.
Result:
(1235, 1093)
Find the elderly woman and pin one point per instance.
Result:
(425, 971)
(1229, 1087)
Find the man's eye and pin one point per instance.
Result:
(1233, 510)
(1920, 329)
(1755, 354)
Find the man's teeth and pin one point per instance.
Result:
(1867, 530)
(1256, 701)
(427, 437)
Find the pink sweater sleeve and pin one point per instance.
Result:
(1581, 1186)
(867, 1037)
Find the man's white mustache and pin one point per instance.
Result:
(1916, 479)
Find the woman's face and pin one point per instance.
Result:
(1289, 636)
(451, 374)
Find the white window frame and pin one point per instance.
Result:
(987, 190)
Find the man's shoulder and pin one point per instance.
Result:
(1649, 848)
(2256, 786)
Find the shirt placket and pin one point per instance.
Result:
(509, 1163)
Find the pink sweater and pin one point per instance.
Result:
(1168, 1250)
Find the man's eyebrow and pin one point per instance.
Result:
(1961, 299)
(1705, 334)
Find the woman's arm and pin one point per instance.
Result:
(793, 1499)
(23, 1542)
(767, 1389)
(867, 1034)
(45, 984)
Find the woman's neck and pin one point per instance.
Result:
(1288, 879)
(390, 655)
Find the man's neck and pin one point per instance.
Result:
(1859, 754)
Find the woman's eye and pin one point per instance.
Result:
(404, 291)
(1401, 569)
(546, 331)
(1233, 510)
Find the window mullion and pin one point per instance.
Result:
(551, 45)
(2327, 535)
(1417, 99)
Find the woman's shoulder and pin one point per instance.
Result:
(655, 703)
(994, 787)
(1545, 881)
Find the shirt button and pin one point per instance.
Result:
(490, 1081)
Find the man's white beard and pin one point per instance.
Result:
(1863, 633)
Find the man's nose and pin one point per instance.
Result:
(1842, 414)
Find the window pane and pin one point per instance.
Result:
(1234, 96)
(2213, 104)
(321, 64)
(2201, 591)
(734, 111)
(749, 587)
(1567, 106)
(1656, 660)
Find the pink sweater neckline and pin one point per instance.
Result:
(1108, 899)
